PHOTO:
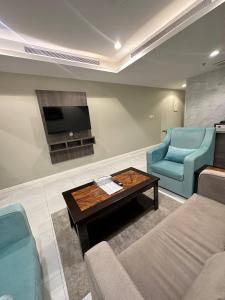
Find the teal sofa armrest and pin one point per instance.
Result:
(14, 225)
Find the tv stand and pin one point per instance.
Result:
(64, 146)
(71, 144)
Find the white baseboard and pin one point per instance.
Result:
(67, 172)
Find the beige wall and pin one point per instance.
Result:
(119, 116)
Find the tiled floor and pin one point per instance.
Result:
(44, 197)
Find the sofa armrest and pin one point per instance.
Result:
(14, 225)
(108, 278)
(211, 184)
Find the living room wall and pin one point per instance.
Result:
(205, 99)
(124, 118)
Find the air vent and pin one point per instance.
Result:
(220, 63)
(59, 55)
(169, 28)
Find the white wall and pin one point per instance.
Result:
(119, 117)
(205, 99)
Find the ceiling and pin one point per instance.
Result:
(91, 27)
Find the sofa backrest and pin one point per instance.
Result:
(189, 138)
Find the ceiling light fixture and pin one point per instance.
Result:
(214, 53)
(117, 45)
(184, 85)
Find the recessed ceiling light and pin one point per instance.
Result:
(214, 53)
(184, 85)
(117, 45)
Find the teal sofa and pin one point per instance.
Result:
(20, 270)
(189, 149)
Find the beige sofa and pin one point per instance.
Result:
(181, 258)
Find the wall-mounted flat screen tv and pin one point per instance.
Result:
(66, 118)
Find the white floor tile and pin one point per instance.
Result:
(57, 186)
(88, 297)
(6, 200)
(58, 294)
(48, 255)
(53, 283)
(55, 203)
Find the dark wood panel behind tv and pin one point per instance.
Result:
(63, 147)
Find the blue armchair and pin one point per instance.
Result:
(178, 176)
(20, 271)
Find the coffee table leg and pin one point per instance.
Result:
(71, 221)
(156, 196)
(82, 232)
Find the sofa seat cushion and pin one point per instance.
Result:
(210, 283)
(165, 262)
(20, 270)
(169, 168)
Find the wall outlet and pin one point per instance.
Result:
(151, 117)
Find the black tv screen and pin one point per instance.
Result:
(66, 118)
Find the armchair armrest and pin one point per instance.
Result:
(211, 184)
(202, 156)
(108, 278)
(14, 225)
(195, 160)
(155, 154)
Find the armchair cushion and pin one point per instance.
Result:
(178, 154)
(170, 169)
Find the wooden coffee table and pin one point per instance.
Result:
(88, 202)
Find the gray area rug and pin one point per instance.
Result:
(69, 248)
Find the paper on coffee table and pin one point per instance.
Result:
(108, 185)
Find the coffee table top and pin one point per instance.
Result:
(89, 198)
